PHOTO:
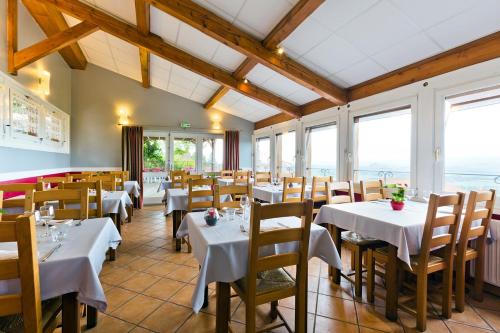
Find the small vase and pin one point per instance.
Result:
(397, 205)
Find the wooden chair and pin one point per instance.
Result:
(18, 204)
(62, 196)
(24, 311)
(241, 178)
(68, 178)
(320, 192)
(263, 178)
(357, 244)
(427, 262)
(108, 181)
(191, 176)
(226, 174)
(471, 244)
(177, 178)
(267, 281)
(341, 192)
(79, 177)
(95, 201)
(195, 196)
(234, 191)
(372, 190)
(281, 175)
(292, 192)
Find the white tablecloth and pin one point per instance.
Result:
(225, 181)
(164, 185)
(74, 267)
(177, 199)
(403, 229)
(222, 250)
(114, 202)
(132, 187)
(274, 193)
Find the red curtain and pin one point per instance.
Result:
(232, 150)
(132, 155)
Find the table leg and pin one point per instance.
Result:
(205, 298)
(391, 281)
(70, 313)
(92, 315)
(177, 216)
(118, 221)
(112, 254)
(130, 210)
(223, 292)
(337, 240)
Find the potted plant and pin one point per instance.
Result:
(398, 199)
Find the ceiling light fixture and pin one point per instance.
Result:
(245, 81)
(280, 50)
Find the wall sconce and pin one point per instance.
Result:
(216, 125)
(123, 120)
(44, 83)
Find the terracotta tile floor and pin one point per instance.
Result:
(149, 289)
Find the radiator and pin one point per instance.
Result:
(492, 255)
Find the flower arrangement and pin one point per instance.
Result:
(398, 196)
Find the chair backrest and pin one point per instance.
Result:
(226, 174)
(62, 196)
(192, 176)
(294, 189)
(19, 204)
(263, 178)
(437, 217)
(320, 191)
(258, 263)
(108, 181)
(95, 201)
(241, 177)
(235, 191)
(24, 268)
(177, 178)
(479, 207)
(201, 198)
(68, 178)
(342, 192)
(281, 175)
(371, 190)
(77, 177)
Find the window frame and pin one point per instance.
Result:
(397, 105)
(199, 146)
(439, 151)
(266, 135)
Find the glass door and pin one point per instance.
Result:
(321, 150)
(155, 166)
(184, 154)
(285, 154)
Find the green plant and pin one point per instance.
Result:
(153, 154)
(399, 194)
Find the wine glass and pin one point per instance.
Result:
(46, 215)
(244, 203)
(410, 193)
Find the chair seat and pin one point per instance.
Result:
(14, 323)
(413, 259)
(357, 239)
(268, 281)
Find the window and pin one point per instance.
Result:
(212, 151)
(263, 154)
(321, 150)
(285, 153)
(382, 146)
(154, 154)
(185, 154)
(471, 138)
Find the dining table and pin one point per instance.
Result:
(274, 193)
(132, 187)
(176, 203)
(401, 230)
(222, 253)
(71, 271)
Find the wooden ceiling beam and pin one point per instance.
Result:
(11, 35)
(157, 46)
(225, 32)
(281, 31)
(51, 21)
(480, 50)
(53, 43)
(142, 11)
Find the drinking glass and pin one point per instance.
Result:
(426, 195)
(230, 214)
(410, 193)
(46, 215)
(244, 203)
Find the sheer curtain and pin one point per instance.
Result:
(232, 150)
(132, 155)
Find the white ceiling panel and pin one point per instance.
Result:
(196, 42)
(305, 37)
(334, 14)
(128, 70)
(334, 54)
(409, 51)
(361, 71)
(124, 9)
(475, 23)
(381, 26)
(164, 25)
(242, 106)
(226, 58)
(419, 11)
(223, 8)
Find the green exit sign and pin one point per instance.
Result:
(185, 124)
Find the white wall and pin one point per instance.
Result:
(427, 102)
